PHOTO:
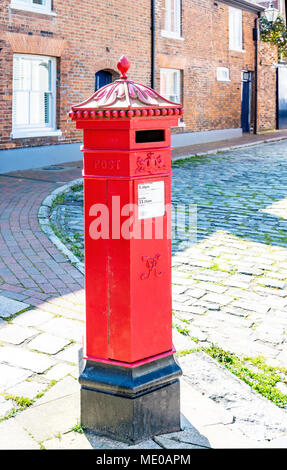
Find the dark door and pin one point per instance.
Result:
(102, 78)
(246, 101)
(282, 97)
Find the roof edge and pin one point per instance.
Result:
(244, 5)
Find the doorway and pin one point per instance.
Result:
(281, 97)
(246, 100)
(102, 78)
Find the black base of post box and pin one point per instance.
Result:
(130, 404)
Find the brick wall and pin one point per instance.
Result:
(209, 104)
(87, 36)
(266, 95)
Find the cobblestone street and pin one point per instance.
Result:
(232, 282)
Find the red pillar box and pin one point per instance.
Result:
(130, 374)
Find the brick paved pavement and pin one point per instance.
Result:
(31, 266)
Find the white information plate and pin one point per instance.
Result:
(151, 200)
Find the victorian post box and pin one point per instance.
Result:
(130, 379)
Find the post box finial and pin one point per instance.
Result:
(123, 66)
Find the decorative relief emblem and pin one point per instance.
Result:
(150, 164)
(151, 263)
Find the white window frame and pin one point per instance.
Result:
(168, 72)
(173, 7)
(178, 93)
(28, 5)
(235, 29)
(222, 74)
(41, 129)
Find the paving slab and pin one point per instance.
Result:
(15, 334)
(225, 437)
(70, 354)
(6, 406)
(255, 417)
(47, 343)
(65, 387)
(70, 440)
(10, 375)
(59, 371)
(200, 410)
(26, 389)
(25, 359)
(35, 317)
(9, 307)
(13, 436)
(64, 328)
(280, 443)
(54, 417)
(167, 443)
(181, 342)
(99, 442)
(188, 436)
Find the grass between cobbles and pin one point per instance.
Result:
(60, 199)
(253, 371)
(23, 402)
(69, 242)
(66, 240)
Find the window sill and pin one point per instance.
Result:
(26, 133)
(237, 50)
(169, 35)
(31, 9)
(180, 124)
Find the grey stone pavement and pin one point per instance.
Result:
(229, 289)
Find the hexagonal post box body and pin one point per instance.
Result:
(128, 269)
(127, 212)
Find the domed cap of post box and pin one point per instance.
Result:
(125, 98)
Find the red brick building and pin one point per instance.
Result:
(205, 54)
